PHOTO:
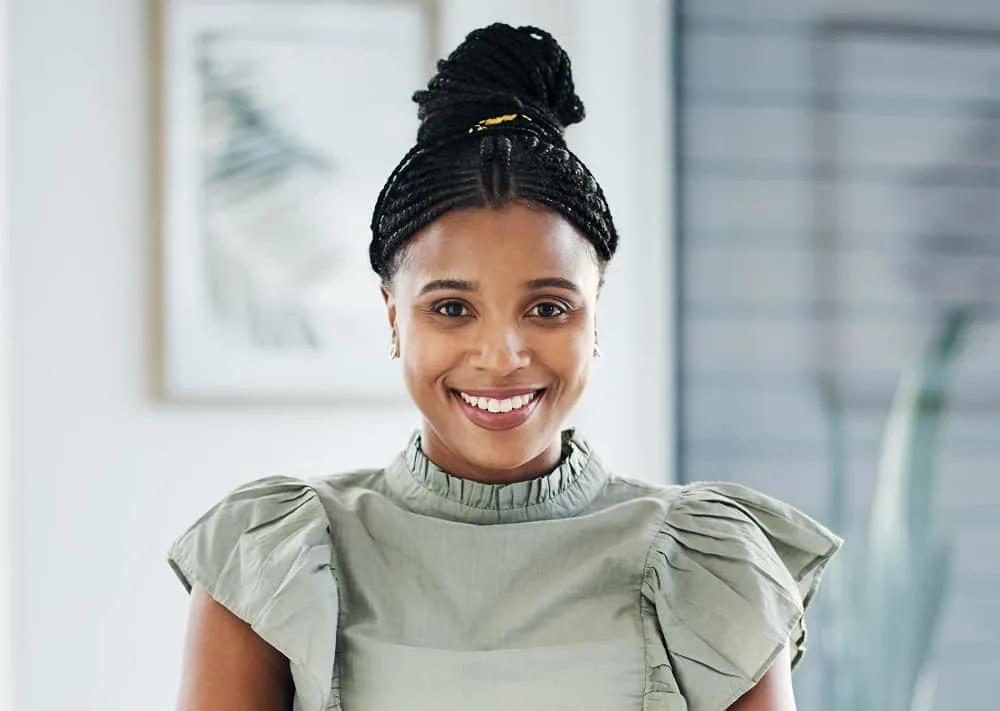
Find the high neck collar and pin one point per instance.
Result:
(424, 488)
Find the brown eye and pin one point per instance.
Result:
(451, 309)
(547, 309)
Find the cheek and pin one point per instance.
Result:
(570, 354)
(426, 354)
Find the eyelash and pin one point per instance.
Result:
(438, 308)
(563, 310)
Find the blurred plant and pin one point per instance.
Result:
(884, 607)
(884, 603)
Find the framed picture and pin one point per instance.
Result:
(278, 124)
(906, 205)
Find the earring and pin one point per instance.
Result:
(597, 346)
(394, 348)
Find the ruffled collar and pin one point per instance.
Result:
(568, 489)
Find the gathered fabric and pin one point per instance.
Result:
(409, 588)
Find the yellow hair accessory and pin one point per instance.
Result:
(488, 122)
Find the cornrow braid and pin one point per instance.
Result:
(491, 132)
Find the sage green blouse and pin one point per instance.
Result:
(410, 589)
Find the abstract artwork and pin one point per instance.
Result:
(279, 123)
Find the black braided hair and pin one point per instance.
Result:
(491, 131)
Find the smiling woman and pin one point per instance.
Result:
(495, 562)
(494, 310)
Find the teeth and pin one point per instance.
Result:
(494, 405)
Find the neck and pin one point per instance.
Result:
(481, 469)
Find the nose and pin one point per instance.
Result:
(500, 350)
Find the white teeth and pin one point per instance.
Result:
(494, 405)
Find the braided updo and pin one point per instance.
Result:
(491, 131)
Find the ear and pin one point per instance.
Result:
(390, 306)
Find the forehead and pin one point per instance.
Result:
(516, 239)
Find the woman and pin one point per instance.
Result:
(495, 562)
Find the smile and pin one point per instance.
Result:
(494, 405)
(498, 410)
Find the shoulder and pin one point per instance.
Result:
(620, 489)
(725, 506)
(730, 574)
(264, 552)
(755, 522)
(261, 515)
(249, 537)
(730, 521)
(348, 482)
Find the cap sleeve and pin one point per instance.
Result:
(265, 553)
(730, 574)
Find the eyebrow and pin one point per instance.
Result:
(449, 284)
(552, 283)
(465, 285)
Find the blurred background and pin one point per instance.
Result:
(806, 300)
(839, 286)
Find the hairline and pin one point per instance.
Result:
(400, 257)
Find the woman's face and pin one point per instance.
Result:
(494, 310)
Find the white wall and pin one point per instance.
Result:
(104, 477)
(6, 542)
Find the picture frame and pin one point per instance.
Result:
(277, 123)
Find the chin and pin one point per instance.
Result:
(485, 448)
(506, 451)
(500, 457)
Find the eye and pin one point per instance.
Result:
(547, 309)
(451, 309)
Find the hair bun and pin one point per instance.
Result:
(500, 70)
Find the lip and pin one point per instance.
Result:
(499, 421)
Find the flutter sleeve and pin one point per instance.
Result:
(265, 553)
(730, 574)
